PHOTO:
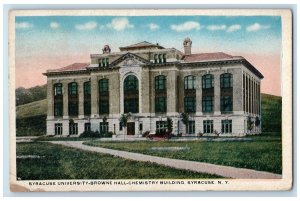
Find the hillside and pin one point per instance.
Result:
(271, 113)
(24, 96)
(32, 109)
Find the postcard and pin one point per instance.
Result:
(150, 100)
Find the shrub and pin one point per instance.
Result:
(94, 134)
(146, 134)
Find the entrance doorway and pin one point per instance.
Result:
(130, 128)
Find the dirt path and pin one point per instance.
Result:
(225, 171)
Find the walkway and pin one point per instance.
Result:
(225, 171)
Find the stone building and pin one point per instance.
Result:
(219, 93)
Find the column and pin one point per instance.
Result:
(199, 94)
(237, 91)
(217, 94)
(50, 99)
(145, 86)
(80, 99)
(94, 96)
(65, 100)
(171, 92)
(114, 93)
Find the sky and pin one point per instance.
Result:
(50, 42)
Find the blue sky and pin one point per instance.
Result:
(73, 34)
(49, 42)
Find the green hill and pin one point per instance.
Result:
(35, 108)
(271, 113)
(31, 118)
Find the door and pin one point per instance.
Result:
(130, 128)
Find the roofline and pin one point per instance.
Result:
(241, 60)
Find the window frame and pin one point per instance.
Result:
(208, 126)
(226, 126)
(226, 101)
(207, 81)
(207, 102)
(160, 104)
(189, 82)
(73, 129)
(58, 129)
(160, 83)
(103, 127)
(226, 80)
(190, 108)
(73, 89)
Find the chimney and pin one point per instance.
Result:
(187, 44)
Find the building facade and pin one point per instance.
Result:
(219, 93)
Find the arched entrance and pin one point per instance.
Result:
(131, 100)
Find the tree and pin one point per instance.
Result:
(257, 121)
(185, 120)
(123, 119)
(170, 124)
(250, 124)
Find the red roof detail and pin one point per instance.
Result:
(72, 67)
(207, 57)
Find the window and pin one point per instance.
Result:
(103, 107)
(87, 98)
(57, 89)
(58, 128)
(226, 80)
(207, 104)
(226, 103)
(73, 108)
(87, 88)
(164, 58)
(160, 58)
(131, 105)
(58, 109)
(87, 108)
(103, 127)
(141, 127)
(191, 127)
(207, 81)
(73, 129)
(104, 62)
(131, 83)
(226, 126)
(87, 127)
(73, 88)
(189, 82)
(160, 83)
(189, 104)
(208, 126)
(103, 86)
(160, 104)
(161, 126)
(156, 58)
(131, 94)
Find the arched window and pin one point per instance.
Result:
(160, 57)
(160, 83)
(131, 83)
(103, 86)
(73, 99)
(207, 81)
(164, 58)
(131, 94)
(226, 80)
(57, 89)
(189, 82)
(73, 88)
(156, 58)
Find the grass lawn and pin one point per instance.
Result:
(263, 153)
(59, 162)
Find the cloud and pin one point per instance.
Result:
(216, 27)
(119, 24)
(23, 25)
(234, 28)
(257, 27)
(187, 26)
(86, 26)
(54, 25)
(153, 26)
